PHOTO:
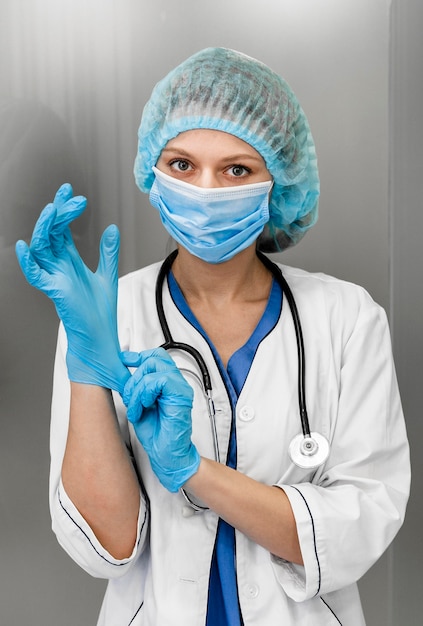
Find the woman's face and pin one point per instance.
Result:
(212, 158)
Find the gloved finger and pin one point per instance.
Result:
(109, 253)
(147, 362)
(54, 220)
(60, 235)
(142, 395)
(134, 390)
(135, 359)
(33, 273)
(130, 358)
(46, 246)
(40, 245)
(142, 385)
(134, 403)
(63, 194)
(168, 387)
(67, 212)
(175, 390)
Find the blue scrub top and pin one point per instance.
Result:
(223, 602)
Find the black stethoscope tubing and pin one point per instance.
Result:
(170, 344)
(286, 290)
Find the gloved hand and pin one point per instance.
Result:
(159, 403)
(84, 301)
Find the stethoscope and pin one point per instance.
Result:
(307, 450)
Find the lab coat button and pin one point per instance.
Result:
(251, 591)
(246, 413)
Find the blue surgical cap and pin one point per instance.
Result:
(225, 90)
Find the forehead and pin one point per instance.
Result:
(201, 139)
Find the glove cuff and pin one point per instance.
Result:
(174, 479)
(80, 371)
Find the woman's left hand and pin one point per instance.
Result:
(159, 403)
(85, 301)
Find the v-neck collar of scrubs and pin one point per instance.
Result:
(240, 362)
(223, 602)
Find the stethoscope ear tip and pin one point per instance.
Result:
(309, 451)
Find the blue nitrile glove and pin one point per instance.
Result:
(159, 403)
(84, 301)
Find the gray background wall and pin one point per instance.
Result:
(73, 80)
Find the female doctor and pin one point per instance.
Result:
(187, 474)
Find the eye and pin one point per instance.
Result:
(180, 165)
(238, 171)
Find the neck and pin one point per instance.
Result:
(243, 277)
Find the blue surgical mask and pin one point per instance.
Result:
(212, 224)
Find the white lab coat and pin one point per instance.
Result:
(347, 511)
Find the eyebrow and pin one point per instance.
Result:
(178, 150)
(232, 158)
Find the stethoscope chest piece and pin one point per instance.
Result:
(309, 451)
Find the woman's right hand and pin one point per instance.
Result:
(159, 402)
(86, 302)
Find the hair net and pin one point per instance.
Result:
(225, 90)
